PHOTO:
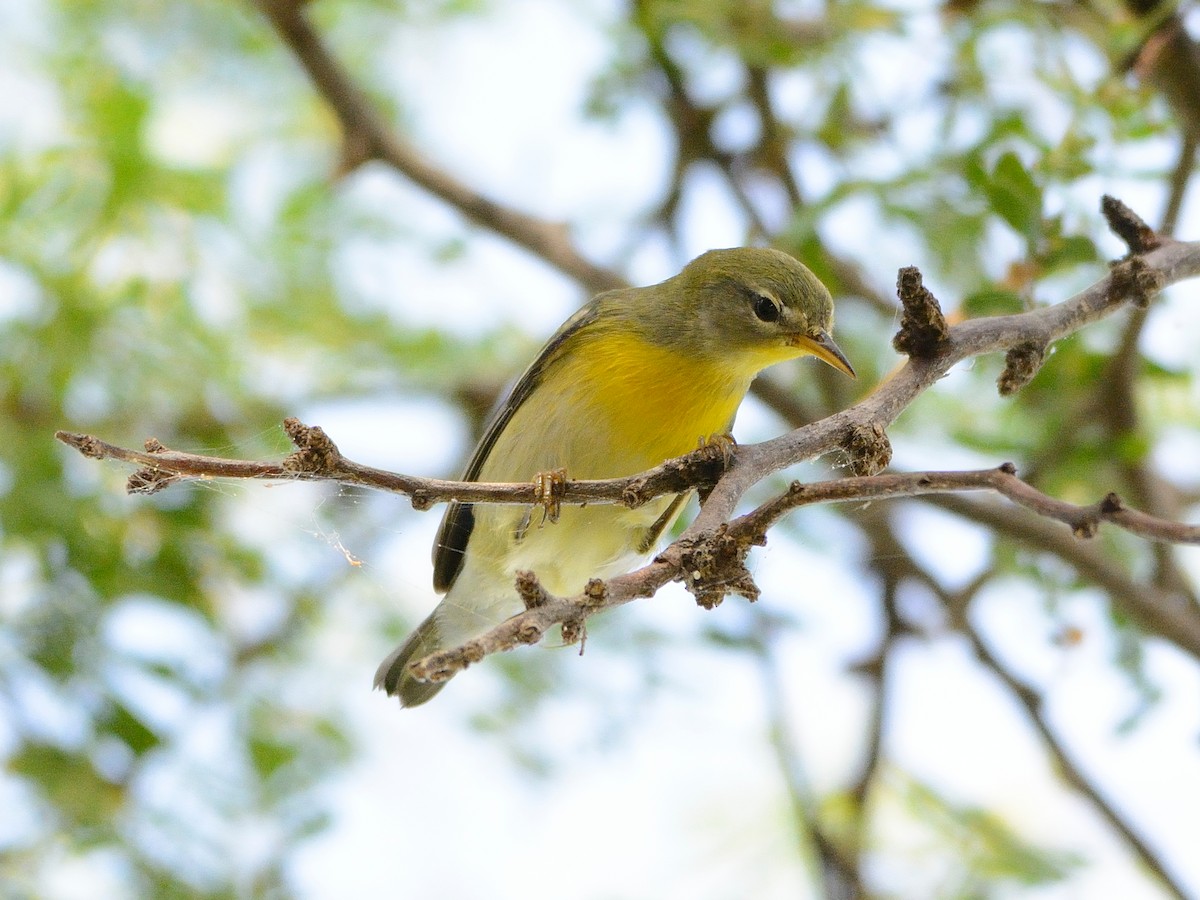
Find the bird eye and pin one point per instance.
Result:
(765, 308)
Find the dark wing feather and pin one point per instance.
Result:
(450, 545)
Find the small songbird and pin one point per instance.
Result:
(635, 377)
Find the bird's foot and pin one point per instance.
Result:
(721, 445)
(549, 487)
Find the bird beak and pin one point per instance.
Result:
(821, 346)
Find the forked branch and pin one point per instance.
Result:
(710, 556)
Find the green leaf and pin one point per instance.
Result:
(1015, 196)
(1072, 250)
(132, 731)
(70, 782)
(992, 302)
(270, 756)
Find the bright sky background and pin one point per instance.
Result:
(686, 802)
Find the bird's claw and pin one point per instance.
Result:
(549, 488)
(723, 444)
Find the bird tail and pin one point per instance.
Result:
(393, 675)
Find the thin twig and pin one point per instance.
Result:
(1083, 520)
(1149, 607)
(838, 874)
(1181, 177)
(366, 138)
(1116, 407)
(886, 550)
(673, 476)
(1033, 705)
(1070, 770)
(318, 459)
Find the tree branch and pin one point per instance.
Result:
(712, 564)
(1033, 705)
(1131, 280)
(1083, 520)
(1068, 768)
(838, 875)
(710, 555)
(318, 459)
(1150, 608)
(365, 137)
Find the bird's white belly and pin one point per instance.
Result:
(597, 541)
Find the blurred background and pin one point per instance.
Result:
(935, 698)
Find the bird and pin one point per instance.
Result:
(636, 376)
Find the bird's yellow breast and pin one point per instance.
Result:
(652, 402)
(615, 404)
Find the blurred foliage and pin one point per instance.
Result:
(988, 855)
(175, 260)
